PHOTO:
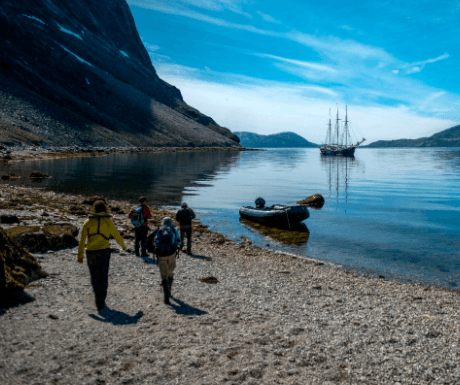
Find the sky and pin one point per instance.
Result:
(273, 66)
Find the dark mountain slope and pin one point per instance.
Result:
(83, 71)
(283, 139)
(446, 138)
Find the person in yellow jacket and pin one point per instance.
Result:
(98, 229)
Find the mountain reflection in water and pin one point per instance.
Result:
(162, 177)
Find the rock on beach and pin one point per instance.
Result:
(267, 318)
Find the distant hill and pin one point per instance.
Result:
(446, 138)
(283, 139)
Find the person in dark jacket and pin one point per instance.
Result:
(141, 232)
(184, 216)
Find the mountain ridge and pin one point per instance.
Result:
(285, 139)
(78, 73)
(449, 137)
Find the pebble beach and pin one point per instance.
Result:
(240, 314)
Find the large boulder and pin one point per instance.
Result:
(315, 201)
(48, 237)
(17, 267)
(38, 176)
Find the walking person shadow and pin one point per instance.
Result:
(196, 256)
(116, 317)
(185, 309)
(150, 260)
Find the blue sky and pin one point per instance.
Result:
(272, 66)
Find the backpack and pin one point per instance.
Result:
(98, 226)
(150, 242)
(165, 242)
(184, 217)
(137, 217)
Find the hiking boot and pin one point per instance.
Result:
(170, 282)
(165, 285)
(100, 305)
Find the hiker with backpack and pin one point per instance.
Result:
(184, 216)
(139, 218)
(167, 242)
(98, 229)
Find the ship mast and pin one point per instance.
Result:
(346, 125)
(337, 126)
(329, 132)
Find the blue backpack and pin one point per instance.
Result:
(165, 242)
(137, 217)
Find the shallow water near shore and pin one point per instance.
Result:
(389, 212)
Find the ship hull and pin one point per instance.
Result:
(343, 151)
(276, 216)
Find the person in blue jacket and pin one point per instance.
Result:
(167, 243)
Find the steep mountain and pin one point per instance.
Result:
(283, 139)
(76, 72)
(446, 138)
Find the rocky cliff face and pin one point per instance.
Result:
(77, 73)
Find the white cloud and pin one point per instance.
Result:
(412, 68)
(268, 18)
(181, 6)
(267, 107)
(430, 99)
(151, 47)
(333, 46)
(300, 63)
(170, 8)
(360, 74)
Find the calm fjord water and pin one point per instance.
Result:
(390, 212)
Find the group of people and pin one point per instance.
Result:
(166, 243)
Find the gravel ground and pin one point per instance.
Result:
(272, 318)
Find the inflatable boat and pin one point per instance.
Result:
(276, 215)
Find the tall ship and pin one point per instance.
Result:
(339, 142)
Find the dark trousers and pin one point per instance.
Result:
(98, 263)
(140, 237)
(186, 230)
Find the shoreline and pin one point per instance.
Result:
(9, 155)
(271, 318)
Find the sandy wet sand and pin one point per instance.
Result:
(272, 318)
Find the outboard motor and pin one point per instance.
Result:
(260, 203)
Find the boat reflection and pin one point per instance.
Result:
(296, 235)
(339, 171)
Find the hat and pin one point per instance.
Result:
(166, 222)
(183, 204)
